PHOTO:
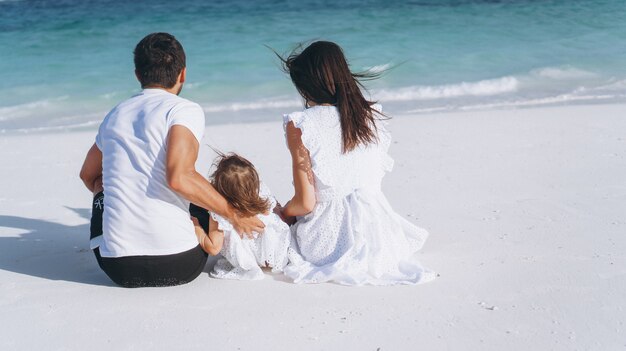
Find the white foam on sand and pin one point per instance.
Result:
(525, 210)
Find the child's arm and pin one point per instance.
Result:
(213, 242)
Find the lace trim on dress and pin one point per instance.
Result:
(222, 223)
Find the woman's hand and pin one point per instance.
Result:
(278, 210)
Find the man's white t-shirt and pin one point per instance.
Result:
(142, 215)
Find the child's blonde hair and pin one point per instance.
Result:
(236, 179)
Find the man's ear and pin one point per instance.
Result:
(137, 76)
(183, 75)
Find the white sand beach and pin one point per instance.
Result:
(526, 211)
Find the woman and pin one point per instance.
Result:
(346, 231)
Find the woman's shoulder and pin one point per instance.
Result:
(304, 126)
(316, 113)
(297, 118)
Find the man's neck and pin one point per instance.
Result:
(173, 90)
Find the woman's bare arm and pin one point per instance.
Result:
(303, 200)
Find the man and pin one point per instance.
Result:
(141, 170)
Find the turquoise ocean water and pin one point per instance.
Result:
(65, 63)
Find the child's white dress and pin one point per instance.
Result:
(243, 257)
(352, 236)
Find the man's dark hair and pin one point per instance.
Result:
(159, 59)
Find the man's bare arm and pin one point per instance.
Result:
(91, 172)
(182, 177)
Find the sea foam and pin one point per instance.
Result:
(487, 87)
(255, 105)
(27, 109)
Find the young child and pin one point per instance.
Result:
(237, 180)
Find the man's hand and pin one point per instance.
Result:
(182, 177)
(247, 225)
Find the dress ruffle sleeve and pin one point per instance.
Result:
(312, 140)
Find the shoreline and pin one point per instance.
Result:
(56, 130)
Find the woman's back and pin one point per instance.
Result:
(352, 236)
(345, 229)
(336, 173)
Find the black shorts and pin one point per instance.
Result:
(145, 271)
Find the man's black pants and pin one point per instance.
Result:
(145, 271)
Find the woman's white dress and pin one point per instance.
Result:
(352, 236)
(242, 258)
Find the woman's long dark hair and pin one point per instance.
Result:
(322, 75)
